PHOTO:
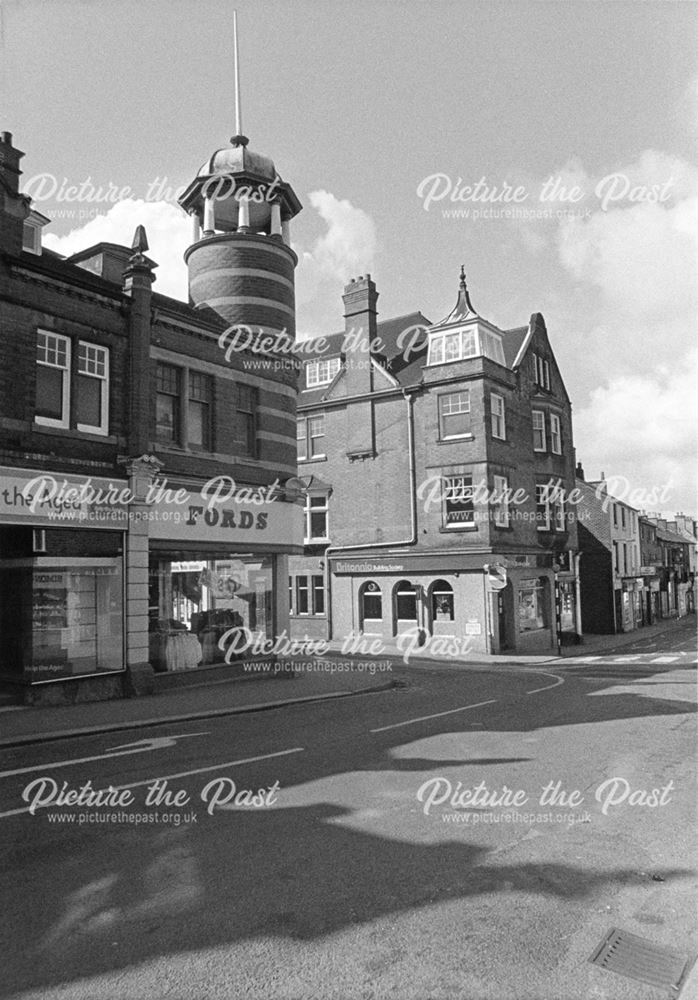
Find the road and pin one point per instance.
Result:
(360, 847)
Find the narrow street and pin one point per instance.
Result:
(475, 833)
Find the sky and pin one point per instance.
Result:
(578, 119)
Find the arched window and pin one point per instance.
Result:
(442, 607)
(405, 595)
(370, 604)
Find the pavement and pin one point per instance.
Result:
(333, 676)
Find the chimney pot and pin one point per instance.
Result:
(6, 137)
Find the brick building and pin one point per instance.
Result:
(439, 463)
(142, 459)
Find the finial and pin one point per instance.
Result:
(462, 276)
(238, 139)
(140, 240)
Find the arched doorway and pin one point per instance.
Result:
(370, 608)
(441, 605)
(405, 611)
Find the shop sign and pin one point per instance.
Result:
(368, 567)
(473, 628)
(648, 570)
(269, 522)
(36, 497)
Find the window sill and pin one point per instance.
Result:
(461, 527)
(315, 458)
(72, 432)
(455, 439)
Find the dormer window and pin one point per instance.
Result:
(446, 346)
(321, 372)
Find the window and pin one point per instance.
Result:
(454, 346)
(454, 415)
(246, 419)
(31, 238)
(458, 501)
(499, 429)
(370, 604)
(52, 380)
(92, 403)
(302, 595)
(622, 517)
(309, 595)
(616, 560)
(311, 437)
(538, 430)
(550, 506)
(615, 515)
(291, 602)
(316, 519)
(531, 605)
(442, 608)
(541, 371)
(301, 438)
(555, 435)
(500, 502)
(543, 506)
(167, 403)
(321, 372)
(199, 410)
(405, 602)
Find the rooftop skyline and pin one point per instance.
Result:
(547, 146)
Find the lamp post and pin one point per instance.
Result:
(558, 623)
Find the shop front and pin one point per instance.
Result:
(62, 578)
(217, 582)
(444, 602)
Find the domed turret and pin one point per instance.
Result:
(241, 263)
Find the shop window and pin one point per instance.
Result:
(538, 430)
(454, 415)
(458, 510)
(499, 429)
(205, 610)
(61, 602)
(199, 410)
(92, 403)
(316, 518)
(405, 601)
(442, 606)
(370, 604)
(52, 380)
(246, 419)
(167, 403)
(531, 605)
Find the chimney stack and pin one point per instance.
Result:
(360, 297)
(14, 207)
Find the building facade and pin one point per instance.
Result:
(145, 526)
(439, 464)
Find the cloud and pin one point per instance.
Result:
(643, 427)
(168, 230)
(633, 262)
(345, 249)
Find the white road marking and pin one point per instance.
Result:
(665, 659)
(142, 746)
(171, 777)
(559, 680)
(437, 715)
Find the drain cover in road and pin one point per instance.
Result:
(635, 957)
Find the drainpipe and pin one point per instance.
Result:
(380, 545)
